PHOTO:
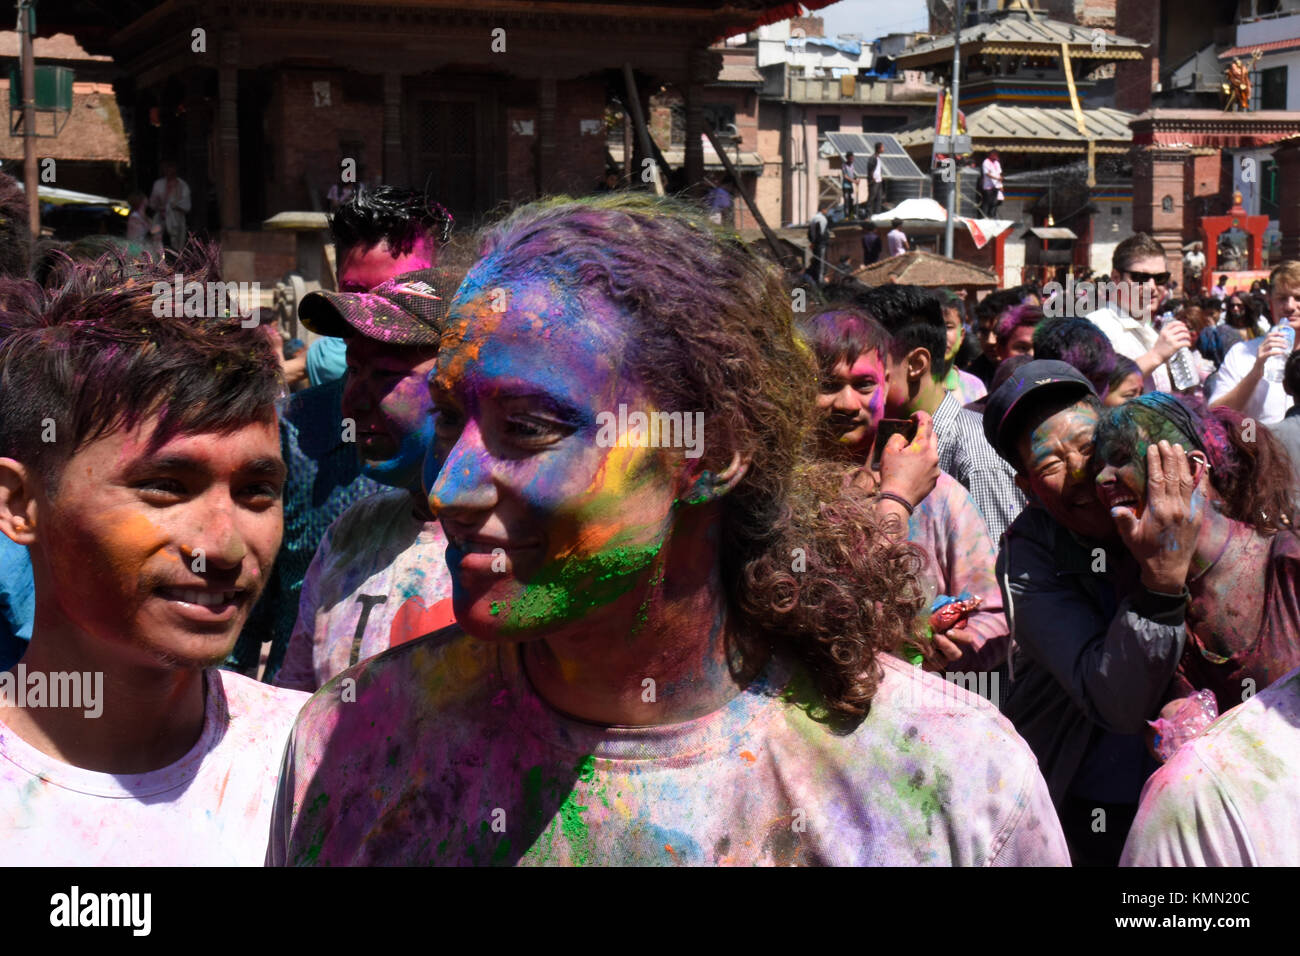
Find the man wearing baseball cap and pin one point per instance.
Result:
(1095, 646)
(378, 578)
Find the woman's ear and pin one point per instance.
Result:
(701, 486)
(17, 503)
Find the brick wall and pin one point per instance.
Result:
(1138, 20)
(307, 139)
(580, 153)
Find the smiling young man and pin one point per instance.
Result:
(1098, 632)
(378, 578)
(140, 465)
(1138, 271)
(1241, 383)
(917, 369)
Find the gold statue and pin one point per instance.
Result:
(1238, 87)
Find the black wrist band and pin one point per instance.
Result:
(899, 498)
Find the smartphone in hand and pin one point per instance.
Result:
(887, 429)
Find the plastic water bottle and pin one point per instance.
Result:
(1275, 365)
(1182, 365)
(1182, 370)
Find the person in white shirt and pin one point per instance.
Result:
(1241, 383)
(1138, 269)
(876, 180)
(170, 197)
(991, 184)
(1193, 267)
(896, 239)
(152, 524)
(819, 232)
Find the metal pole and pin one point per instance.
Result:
(957, 6)
(30, 177)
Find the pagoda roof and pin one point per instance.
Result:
(1032, 129)
(1017, 34)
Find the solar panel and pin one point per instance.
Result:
(898, 165)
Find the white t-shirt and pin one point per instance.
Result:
(210, 808)
(1269, 403)
(992, 178)
(1231, 797)
(1132, 338)
(379, 579)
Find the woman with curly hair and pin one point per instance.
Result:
(673, 639)
(1243, 622)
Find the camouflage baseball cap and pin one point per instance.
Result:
(410, 309)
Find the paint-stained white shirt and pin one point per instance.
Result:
(1231, 797)
(379, 579)
(210, 808)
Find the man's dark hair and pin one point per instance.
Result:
(913, 318)
(1080, 343)
(1124, 369)
(879, 147)
(842, 335)
(896, 223)
(398, 215)
(1140, 245)
(86, 355)
(14, 240)
(995, 303)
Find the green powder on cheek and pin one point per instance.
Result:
(574, 587)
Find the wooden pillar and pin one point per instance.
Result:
(228, 132)
(394, 162)
(547, 147)
(1159, 175)
(698, 71)
(1288, 191)
(196, 159)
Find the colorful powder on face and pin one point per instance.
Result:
(570, 589)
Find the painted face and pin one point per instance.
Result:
(1131, 387)
(387, 396)
(552, 527)
(162, 555)
(853, 400)
(1057, 455)
(1122, 465)
(364, 267)
(953, 328)
(1020, 342)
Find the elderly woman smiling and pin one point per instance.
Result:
(659, 658)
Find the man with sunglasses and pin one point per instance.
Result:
(1138, 272)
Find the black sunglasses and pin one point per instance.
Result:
(1161, 278)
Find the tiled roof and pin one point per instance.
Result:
(1016, 33)
(61, 46)
(998, 125)
(925, 269)
(94, 129)
(1273, 46)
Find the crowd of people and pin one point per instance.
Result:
(604, 547)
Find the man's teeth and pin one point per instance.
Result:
(204, 598)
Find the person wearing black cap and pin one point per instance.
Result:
(378, 578)
(1098, 633)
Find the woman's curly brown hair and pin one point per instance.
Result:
(715, 332)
